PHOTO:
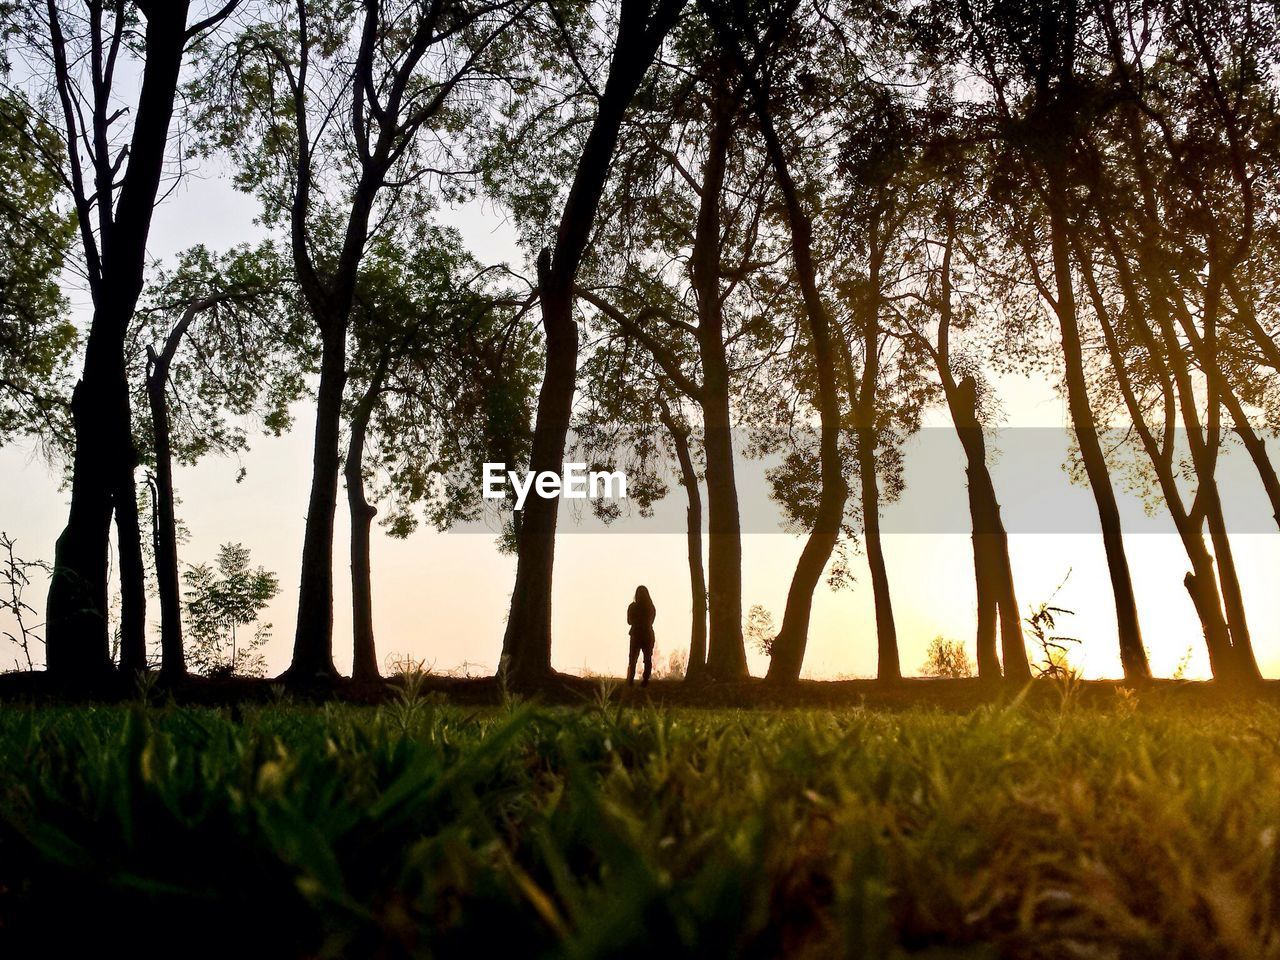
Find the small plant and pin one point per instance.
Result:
(468, 670)
(758, 629)
(1180, 671)
(1126, 701)
(409, 699)
(1054, 662)
(15, 578)
(146, 684)
(677, 665)
(406, 665)
(946, 658)
(509, 699)
(605, 691)
(220, 599)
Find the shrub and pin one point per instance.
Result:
(946, 658)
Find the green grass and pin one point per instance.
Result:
(427, 830)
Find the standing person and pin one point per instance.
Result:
(640, 615)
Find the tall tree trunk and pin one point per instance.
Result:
(1201, 584)
(726, 655)
(133, 582)
(526, 644)
(1206, 347)
(165, 523)
(1220, 391)
(697, 666)
(1228, 628)
(985, 641)
(77, 645)
(863, 395)
(726, 651)
(1245, 662)
(76, 642)
(992, 566)
(793, 636)
(313, 638)
(1173, 379)
(172, 656)
(888, 666)
(364, 659)
(1133, 656)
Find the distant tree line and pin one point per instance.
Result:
(804, 223)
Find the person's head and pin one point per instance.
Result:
(642, 595)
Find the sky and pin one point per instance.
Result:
(442, 598)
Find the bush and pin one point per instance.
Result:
(946, 658)
(758, 629)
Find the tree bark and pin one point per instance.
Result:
(77, 644)
(133, 582)
(992, 566)
(888, 665)
(1200, 581)
(726, 654)
(364, 659)
(1133, 655)
(526, 644)
(789, 645)
(1245, 662)
(863, 396)
(172, 656)
(697, 666)
(1204, 596)
(313, 639)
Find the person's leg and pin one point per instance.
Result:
(631, 662)
(648, 663)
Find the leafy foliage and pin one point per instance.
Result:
(758, 629)
(451, 378)
(37, 339)
(947, 658)
(1055, 648)
(243, 354)
(219, 600)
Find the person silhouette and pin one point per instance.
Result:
(640, 615)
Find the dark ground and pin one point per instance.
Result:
(564, 689)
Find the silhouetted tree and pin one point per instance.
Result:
(640, 30)
(692, 190)
(438, 388)
(1035, 106)
(116, 149)
(951, 230)
(631, 408)
(340, 120)
(223, 340)
(762, 58)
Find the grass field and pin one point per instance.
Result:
(416, 828)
